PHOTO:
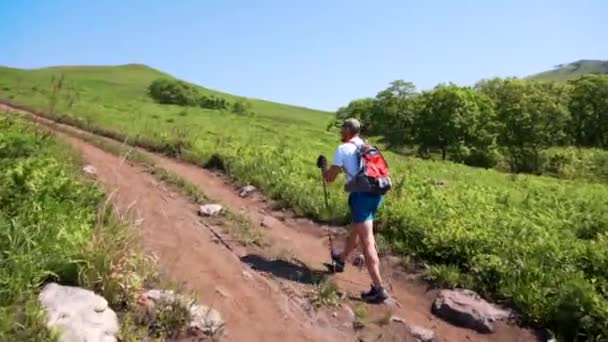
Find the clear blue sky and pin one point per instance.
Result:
(320, 53)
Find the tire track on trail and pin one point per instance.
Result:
(261, 309)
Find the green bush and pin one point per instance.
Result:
(176, 92)
(242, 107)
(211, 102)
(575, 163)
(168, 91)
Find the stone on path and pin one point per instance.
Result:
(247, 190)
(90, 169)
(210, 209)
(419, 333)
(80, 314)
(467, 309)
(206, 320)
(269, 221)
(203, 319)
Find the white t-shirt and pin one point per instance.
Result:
(346, 158)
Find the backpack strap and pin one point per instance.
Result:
(360, 161)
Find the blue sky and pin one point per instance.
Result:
(319, 54)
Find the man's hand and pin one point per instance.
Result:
(322, 162)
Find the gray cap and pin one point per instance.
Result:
(352, 124)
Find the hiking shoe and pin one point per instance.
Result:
(375, 295)
(338, 262)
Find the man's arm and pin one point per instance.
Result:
(333, 171)
(331, 174)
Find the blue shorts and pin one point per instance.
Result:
(363, 206)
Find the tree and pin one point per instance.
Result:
(457, 120)
(389, 115)
(589, 108)
(394, 112)
(531, 116)
(361, 109)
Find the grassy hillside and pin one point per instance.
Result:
(538, 243)
(564, 72)
(128, 83)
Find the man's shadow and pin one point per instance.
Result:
(293, 271)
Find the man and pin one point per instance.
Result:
(363, 206)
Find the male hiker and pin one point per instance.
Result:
(363, 206)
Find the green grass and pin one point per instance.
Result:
(47, 218)
(325, 293)
(538, 243)
(572, 70)
(55, 226)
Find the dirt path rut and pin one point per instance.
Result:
(257, 307)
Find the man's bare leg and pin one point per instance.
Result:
(366, 236)
(351, 243)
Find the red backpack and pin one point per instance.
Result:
(373, 175)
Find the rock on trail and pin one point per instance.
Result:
(90, 169)
(79, 314)
(210, 209)
(203, 319)
(247, 190)
(419, 333)
(467, 309)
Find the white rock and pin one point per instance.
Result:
(247, 190)
(158, 296)
(210, 209)
(392, 302)
(90, 169)
(418, 332)
(206, 320)
(79, 314)
(223, 292)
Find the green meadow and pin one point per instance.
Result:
(537, 243)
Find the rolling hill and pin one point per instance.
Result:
(564, 72)
(130, 82)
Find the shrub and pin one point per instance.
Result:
(575, 163)
(211, 102)
(242, 107)
(167, 91)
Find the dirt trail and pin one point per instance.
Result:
(260, 308)
(309, 243)
(254, 307)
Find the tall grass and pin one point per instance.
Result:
(55, 227)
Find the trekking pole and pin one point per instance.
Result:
(325, 191)
(331, 244)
